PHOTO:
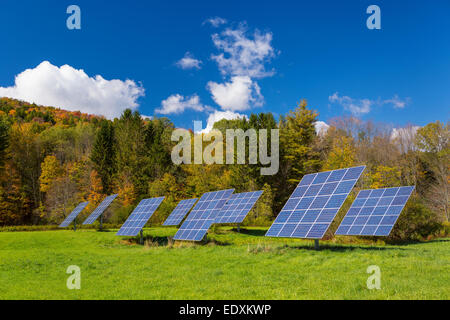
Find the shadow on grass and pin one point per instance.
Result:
(344, 248)
(151, 241)
(411, 242)
(250, 232)
(104, 230)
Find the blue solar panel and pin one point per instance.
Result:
(374, 212)
(314, 204)
(237, 207)
(203, 215)
(179, 212)
(73, 214)
(139, 217)
(100, 209)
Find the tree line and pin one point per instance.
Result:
(51, 159)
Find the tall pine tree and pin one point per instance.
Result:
(4, 141)
(104, 155)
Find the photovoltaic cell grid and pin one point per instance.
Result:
(179, 212)
(139, 217)
(203, 215)
(237, 207)
(314, 203)
(374, 212)
(73, 214)
(100, 209)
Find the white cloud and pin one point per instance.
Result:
(219, 115)
(356, 107)
(397, 102)
(243, 56)
(74, 90)
(321, 127)
(189, 62)
(216, 21)
(177, 103)
(362, 106)
(239, 94)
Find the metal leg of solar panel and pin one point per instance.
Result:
(316, 244)
(101, 221)
(75, 224)
(142, 237)
(238, 227)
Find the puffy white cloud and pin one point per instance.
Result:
(240, 94)
(219, 115)
(177, 103)
(356, 107)
(189, 62)
(71, 89)
(242, 55)
(321, 127)
(216, 21)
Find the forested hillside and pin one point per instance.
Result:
(51, 159)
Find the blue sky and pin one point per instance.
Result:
(318, 50)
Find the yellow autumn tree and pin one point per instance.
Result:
(384, 176)
(342, 154)
(95, 194)
(50, 170)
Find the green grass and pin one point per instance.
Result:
(231, 266)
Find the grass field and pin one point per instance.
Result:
(231, 266)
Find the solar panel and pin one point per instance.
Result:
(203, 215)
(139, 217)
(73, 214)
(237, 207)
(374, 212)
(100, 209)
(314, 203)
(179, 212)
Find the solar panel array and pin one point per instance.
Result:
(100, 209)
(374, 212)
(237, 207)
(73, 214)
(179, 212)
(203, 215)
(314, 203)
(139, 217)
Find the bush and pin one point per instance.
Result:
(121, 214)
(417, 222)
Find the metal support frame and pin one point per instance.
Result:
(141, 241)
(101, 221)
(75, 224)
(238, 227)
(316, 244)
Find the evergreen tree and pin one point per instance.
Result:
(4, 141)
(297, 156)
(104, 155)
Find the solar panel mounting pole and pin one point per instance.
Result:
(142, 237)
(238, 227)
(75, 224)
(316, 244)
(101, 221)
